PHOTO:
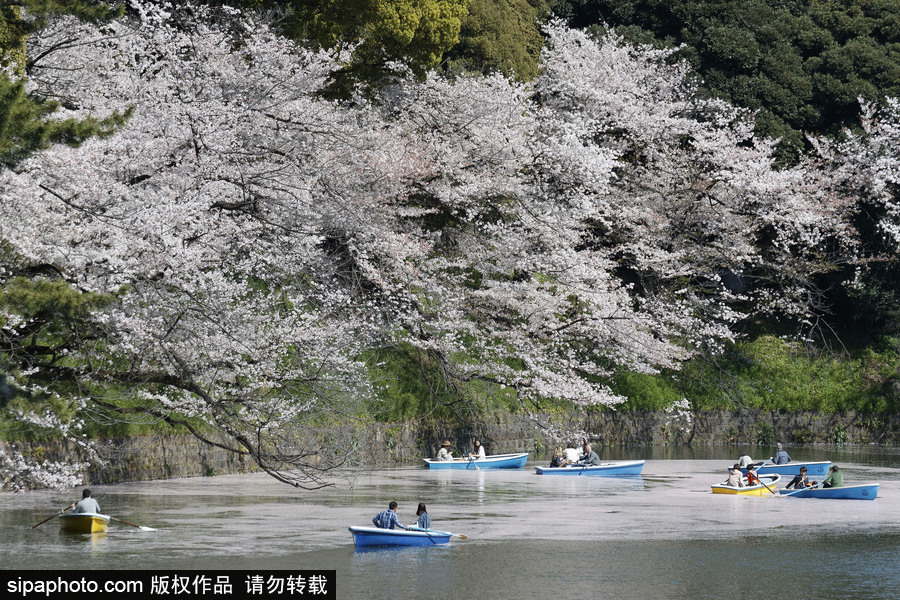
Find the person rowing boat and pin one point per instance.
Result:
(86, 505)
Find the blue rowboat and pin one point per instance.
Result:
(610, 469)
(813, 469)
(850, 492)
(375, 536)
(494, 461)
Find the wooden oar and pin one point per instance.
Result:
(61, 511)
(141, 527)
(758, 477)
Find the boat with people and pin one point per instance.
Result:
(493, 461)
(610, 469)
(376, 536)
(867, 491)
(813, 468)
(83, 523)
(767, 485)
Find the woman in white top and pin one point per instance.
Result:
(571, 455)
(478, 453)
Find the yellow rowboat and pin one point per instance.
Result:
(83, 523)
(767, 486)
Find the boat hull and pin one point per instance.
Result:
(767, 487)
(374, 536)
(496, 461)
(850, 492)
(612, 469)
(83, 523)
(813, 469)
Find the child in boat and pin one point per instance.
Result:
(752, 477)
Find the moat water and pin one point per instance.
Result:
(660, 535)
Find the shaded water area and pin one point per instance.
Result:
(660, 535)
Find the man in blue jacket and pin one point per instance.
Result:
(781, 457)
(387, 519)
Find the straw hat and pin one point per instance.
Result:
(446, 443)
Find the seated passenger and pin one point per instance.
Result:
(590, 458)
(444, 453)
(834, 479)
(799, 481)
(752, 476)
(735, 476)
(557, 460)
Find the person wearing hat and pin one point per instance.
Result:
(781, 457)
(444, 453)
(86, 504)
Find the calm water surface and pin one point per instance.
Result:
(660, 535)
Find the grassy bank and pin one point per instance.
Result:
(770, 373)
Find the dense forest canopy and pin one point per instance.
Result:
(802, 65)
(261, 204)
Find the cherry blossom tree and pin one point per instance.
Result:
(225, 261)
(232, 227)
(864, 165)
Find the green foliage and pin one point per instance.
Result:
(802, 65)
(412, 387)
(646, 392)
(25, 125)
(838, 435)
(53, 317)
(770, 373)
(500, 36)
(19, 19)
(764, 434)
(413, 32)
(12, 40)
(48, 300)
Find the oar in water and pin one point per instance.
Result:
(61, 511)
(809, 487)
(459, 535)
(141, 527)
(472, 460)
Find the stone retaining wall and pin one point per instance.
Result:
(164, 457)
